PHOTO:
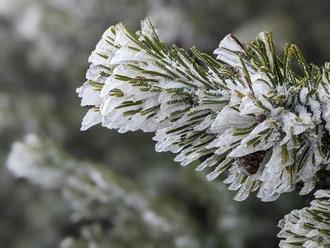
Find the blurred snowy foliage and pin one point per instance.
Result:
(105, 208)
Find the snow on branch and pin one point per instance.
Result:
(308, 227)
(260, 118)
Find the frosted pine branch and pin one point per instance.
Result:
(308, 227)
(260, 118)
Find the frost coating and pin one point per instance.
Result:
(249, 101)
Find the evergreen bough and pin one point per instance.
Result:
(260, 118)
(308, 227)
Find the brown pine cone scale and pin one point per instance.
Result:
(251, 163)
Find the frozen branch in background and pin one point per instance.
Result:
(308, 227)
(260, 118)
(105, 208)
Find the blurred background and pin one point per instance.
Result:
(44, 46)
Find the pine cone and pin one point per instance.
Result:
(251, 163)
